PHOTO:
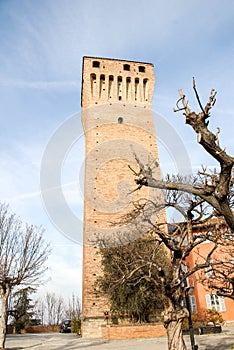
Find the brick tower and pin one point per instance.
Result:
(118, 122)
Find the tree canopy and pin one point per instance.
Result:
(134, 290)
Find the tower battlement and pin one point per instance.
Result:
(111, 80)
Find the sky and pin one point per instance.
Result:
(41, 48)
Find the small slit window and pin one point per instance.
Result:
(120, 120)
(96, 64)
(126, 67)
(102, 77)
(141, 69)
(93, 82)
(119, 88)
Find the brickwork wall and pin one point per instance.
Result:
(117, 121)
(133, 331)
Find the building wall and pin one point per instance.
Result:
(118, 123)
(200, 288)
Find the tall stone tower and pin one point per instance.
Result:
(118, 123)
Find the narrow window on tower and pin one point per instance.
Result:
(119, 88)
(145, 89)
(102, 84)
(92, 83)
(136, 89)
(128, 88)
(111, 86)
(120, 120)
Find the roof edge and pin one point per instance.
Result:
(117, 59)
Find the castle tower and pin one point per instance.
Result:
(118, 123)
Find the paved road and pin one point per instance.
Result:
(57, 341)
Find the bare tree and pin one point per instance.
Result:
(73, 310)
(40, 310)
(215, 187)
(55, 308)
(23, 253)
(52, 308)
(180, 239)
(211, 192)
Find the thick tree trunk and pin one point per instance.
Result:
(173, 323)
(174, 336)
(3, 323)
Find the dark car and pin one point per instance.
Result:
(65, 326)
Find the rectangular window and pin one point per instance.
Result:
(193, 303)
(141, 69)
(126, 67)
(96, 64)
(215, 302)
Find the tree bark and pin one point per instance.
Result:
(3, 329)
(173, 323)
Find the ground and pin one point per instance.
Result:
(57, 341)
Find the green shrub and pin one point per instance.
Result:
(76, 325)
(19, 325)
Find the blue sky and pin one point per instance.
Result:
(42, 44)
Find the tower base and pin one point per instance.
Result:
(92, 327)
